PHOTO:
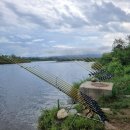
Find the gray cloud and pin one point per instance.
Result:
(64, 20)
(27, 16)
(109, 17)
(71, 20)
(108, 12)
(99, 14)
(115, 27)
(28, 26)
(74, 22)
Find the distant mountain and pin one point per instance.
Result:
(77, 56)
(65, 57)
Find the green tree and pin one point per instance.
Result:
(118, 44)
(128, 40)
(116, 68)
(106, 58)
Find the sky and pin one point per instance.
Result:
(62, 27)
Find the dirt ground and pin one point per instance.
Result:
(121, 120)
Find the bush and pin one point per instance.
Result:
(96, 66)
(115, 68)
(122, 85)
(127, 70)
(105, 59)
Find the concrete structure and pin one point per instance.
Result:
(96, 89)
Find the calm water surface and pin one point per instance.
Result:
(23, 95)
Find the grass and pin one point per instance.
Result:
(117, 99)
(75, 89)
(79, 108)
(48, 121)
(77, 84)
(122, 85)
(114, 103)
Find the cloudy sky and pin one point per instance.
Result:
(59, 27)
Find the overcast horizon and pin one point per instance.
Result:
(56, 27)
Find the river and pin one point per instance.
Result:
(23, 95)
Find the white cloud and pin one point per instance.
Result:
(38, 40)
(63, 47)
(53, 41)
(124, 4)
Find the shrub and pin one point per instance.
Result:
(96, 66)
(115, 68)
(105, 59)
(127, 70)
(122, 85)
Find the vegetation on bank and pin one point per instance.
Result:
(64, 58)
(48, 121)
(117, 63)
(5, 59)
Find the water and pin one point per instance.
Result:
(23, 95)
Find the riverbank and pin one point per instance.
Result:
(118, 120)
(49, 120)
(4, 59)
(117, 110)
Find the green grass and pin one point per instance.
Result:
(121, 85)
(114, 102)
(77, 84)
(48, 121)
(79, 108)
(75, 89)
(117, 100)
